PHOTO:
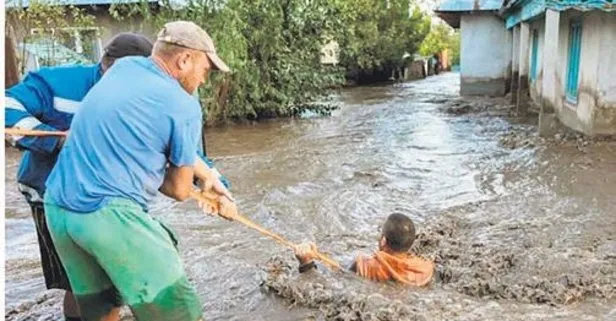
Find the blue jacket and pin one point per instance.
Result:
(47, 100)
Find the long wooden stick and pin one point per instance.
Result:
(214, 205)
(30, 132)
(209, 200)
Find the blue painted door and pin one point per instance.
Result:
(573, 65)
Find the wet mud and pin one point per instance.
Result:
(520, 227)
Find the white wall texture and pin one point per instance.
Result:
(536, 85)
(485, 55)
(486, 46)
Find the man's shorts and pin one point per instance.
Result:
(53, 271)
(121, 249)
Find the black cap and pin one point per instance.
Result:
(128, 44)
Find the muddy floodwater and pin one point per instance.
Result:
(520, 227)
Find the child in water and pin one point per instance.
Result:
(391, 262)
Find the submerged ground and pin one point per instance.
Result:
(521, 228)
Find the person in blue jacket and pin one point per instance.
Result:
(46, 100)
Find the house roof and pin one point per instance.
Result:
(451, 10)
(26, 3)
(469, 5)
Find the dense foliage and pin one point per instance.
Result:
(377, 35)
(442, 37)
(274, 48)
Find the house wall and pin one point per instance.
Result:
(605, 93)
(485, 55)
(109, 26)
(515, 66)
(595, 109)
(535, 86)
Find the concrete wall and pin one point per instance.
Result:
(485, 55)
(515, 66)
(536, 85)
(605, 109)
(595, 110)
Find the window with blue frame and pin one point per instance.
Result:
(573, 65)
(533, 56)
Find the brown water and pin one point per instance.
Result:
(518, 234)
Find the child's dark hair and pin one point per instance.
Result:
(399, 232)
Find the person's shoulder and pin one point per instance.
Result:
(184, 104)
(416, 258)
(67, 70)
(365, 264)
(131, 64)
(60, 77)
(133, 60)
(419, 263)
(72, 74)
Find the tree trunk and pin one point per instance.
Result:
(11, 73)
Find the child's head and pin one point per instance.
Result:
(398, 233)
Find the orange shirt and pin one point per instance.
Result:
(404, 268)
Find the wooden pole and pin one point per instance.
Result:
(210, 200)
(213, 204)
(29, 132)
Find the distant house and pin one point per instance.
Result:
(48, 52)
(485, 46)
(561, 56)
(82, 44)
(566, 52)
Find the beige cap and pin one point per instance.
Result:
(190, 35)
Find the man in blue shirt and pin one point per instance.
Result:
(47, 100)
(136, 134)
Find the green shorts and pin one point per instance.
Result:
(121, 252)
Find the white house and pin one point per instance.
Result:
(562, 57)
(485, 53)
(567, 61)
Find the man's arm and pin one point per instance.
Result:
(210, 179)
(24, 105)
(185, 164)
(210, 164)
(177, 182)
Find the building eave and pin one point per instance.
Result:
(526, 10)
(453, 17)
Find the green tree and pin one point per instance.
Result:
(378, 33)
(441, 37)
(455, 48)
(272, 46)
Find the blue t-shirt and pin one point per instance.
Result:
(131, 123)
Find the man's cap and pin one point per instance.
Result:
(189, 35)
(128, 44)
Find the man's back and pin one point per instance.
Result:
(402, 267)
(122, 137)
